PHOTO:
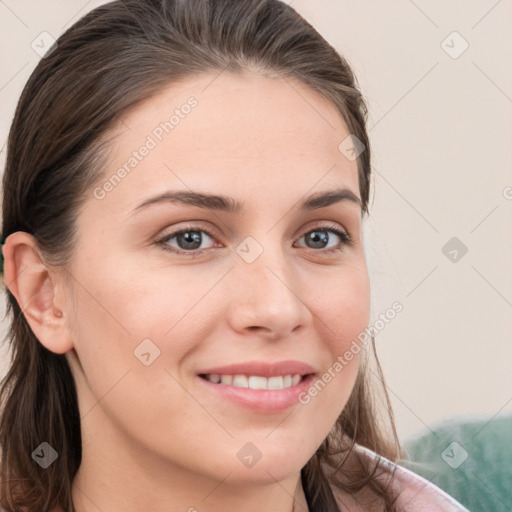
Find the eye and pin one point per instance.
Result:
(319, 237)
(190, 239)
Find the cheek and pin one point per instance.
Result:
(344, 305)
(129, 364)
(343, 312)
(142, 321)
(131, 302)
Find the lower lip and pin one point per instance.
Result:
(261, 400)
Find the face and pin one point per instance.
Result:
(170, 297)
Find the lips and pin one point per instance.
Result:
(263, 387)
(262, 369)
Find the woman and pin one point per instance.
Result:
(184, 196)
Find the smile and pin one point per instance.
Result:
(255, 381)
(259, 386)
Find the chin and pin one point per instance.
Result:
(275, 462)
(263, 473)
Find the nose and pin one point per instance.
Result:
(267, 299)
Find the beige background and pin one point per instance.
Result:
(441, 131)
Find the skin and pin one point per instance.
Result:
(153, 437)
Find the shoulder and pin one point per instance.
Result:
(414, 493)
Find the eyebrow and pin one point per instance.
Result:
(229, 205)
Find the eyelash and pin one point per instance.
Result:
(345, 238)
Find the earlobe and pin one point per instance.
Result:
(29, 279)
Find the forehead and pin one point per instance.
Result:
(228, 131)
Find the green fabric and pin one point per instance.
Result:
(471, 461)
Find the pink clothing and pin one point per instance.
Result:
(415, 493)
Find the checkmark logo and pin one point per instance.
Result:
(146, 352)
(351, 147)
(454, 45)
(454, 455)
(454, 249)
(40, 455)
(249, 455)
(44, 455)
(44, 44)
(249, 249)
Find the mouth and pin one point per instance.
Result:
(261, 387)
(255, 381)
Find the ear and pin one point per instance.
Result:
(38, 290)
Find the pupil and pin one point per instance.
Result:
(316, 236)
(190, 237)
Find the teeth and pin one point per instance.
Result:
(275, 383)
(255, 381)
(240, 381)
(225, 379)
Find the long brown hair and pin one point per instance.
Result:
(112, 58)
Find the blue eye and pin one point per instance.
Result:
(320, 236)
(190, 239)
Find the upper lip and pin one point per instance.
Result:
(263, 369)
